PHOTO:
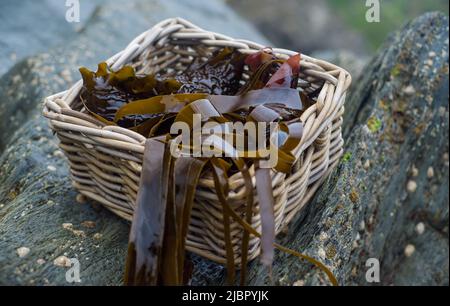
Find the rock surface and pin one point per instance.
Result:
(22, 35)
(383, 201)
(39, 213)
(397, 128)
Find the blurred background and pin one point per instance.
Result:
(393, 13)
(316, 25)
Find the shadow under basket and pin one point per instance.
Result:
(106, 161)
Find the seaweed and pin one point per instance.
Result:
(105, 91)
(220, 75)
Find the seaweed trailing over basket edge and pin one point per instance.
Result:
(150, 104)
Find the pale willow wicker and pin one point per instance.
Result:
(106, 161)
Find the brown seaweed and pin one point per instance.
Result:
(149, 220)
(220, 75)
(106, 91)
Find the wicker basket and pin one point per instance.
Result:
(105, 161)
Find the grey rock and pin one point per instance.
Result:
(364, 209)
(413, 133)
(37, 201)
(305, 26)
(29, 27)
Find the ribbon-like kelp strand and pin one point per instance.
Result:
(162, 126)
(242, 167)
(294, 130)
(187, 174)
(157, 104)
(263, 65)
(224, 104)
(170, 273)
(147, 229)
(247, 227)
(221, 184)
(202, 107)
(286, 76)
(289, 97)
(261, 113)
(169, 265)
(266, 208)
(315, 262)
(265, 194)
(183, 175)
(254, 232)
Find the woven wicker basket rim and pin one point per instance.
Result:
(328, 72)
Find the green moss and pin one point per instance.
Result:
(374, 124)
(346, 157)
(395, 71)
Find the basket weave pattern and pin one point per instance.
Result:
(106, 161)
